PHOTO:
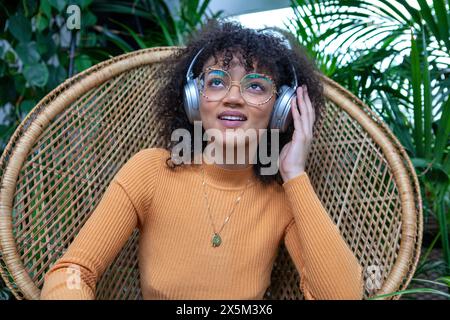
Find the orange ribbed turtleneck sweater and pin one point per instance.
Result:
(176, 258)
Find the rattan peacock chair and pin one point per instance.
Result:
(62, 157)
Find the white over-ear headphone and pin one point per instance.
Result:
(281, 115)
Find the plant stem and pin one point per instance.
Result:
(442, 218)
(72, 52)
(427, 253)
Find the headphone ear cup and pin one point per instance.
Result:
(281, 116)
(191, 100)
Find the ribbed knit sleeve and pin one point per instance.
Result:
(329, 270)
(119, 212)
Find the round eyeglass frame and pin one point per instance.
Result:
(237, 83)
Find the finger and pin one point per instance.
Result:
(310, 109)
(304, 111)
(310, 105)
(295, 115)
(307, 111)
(300, 129)
(299, 133)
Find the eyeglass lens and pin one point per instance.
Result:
(255, 88)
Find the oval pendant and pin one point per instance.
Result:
(216, 240)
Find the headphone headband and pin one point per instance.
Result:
(288, 45)
(190, 73)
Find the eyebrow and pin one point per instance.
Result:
(215, 71)
(255, 72)
(259, 75)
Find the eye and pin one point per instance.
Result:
(215, 82)
(256, 86)
(255, 83)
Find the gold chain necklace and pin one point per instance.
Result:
(216, 240)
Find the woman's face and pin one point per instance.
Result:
(211, 112)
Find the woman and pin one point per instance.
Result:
(211, 230)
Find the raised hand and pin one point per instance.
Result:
(294, 154)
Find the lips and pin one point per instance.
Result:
(232, 116)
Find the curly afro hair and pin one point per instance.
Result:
(228, 38)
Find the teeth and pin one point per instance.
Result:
(233, 118)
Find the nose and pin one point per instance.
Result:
(234, 96)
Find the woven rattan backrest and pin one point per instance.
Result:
(62, 157)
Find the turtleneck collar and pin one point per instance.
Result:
(231, 179)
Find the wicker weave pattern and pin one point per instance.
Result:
(63, 156)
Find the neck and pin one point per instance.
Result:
(235, 160)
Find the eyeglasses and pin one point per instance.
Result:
(256, 88)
